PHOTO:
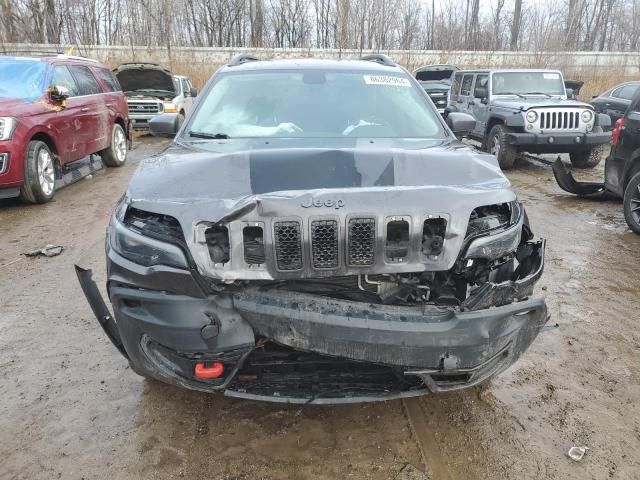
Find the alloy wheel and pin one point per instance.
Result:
(119, 144)
(46, 172)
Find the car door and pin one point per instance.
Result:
(478, 103)
(186, 91)
(112, 93)
(68, 124)
(95, 115)
(465, 95)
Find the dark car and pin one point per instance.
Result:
(621, 169)
(54, 111)
(436, 81)
(316, 233)
(615, 101)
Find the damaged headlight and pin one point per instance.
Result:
(144, 237)
(494, 230)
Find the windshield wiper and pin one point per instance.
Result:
(540, 93)
(213, 136)
(510, 93)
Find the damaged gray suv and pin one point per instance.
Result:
(316, 234)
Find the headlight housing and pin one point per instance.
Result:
(170, 107)
(147, 238)
(7, 126)
(531, 116)
(494, 230)
(586, 116)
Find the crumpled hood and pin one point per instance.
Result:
(261, 179)
(144, 76)
(517, 103)
(254, 167)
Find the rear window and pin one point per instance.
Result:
(109, 80)
(626, 92)
(87, 83)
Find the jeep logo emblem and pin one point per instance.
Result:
(318, 203)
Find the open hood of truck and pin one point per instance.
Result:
(145, 77)
(430, 73)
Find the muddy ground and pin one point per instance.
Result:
(70, 407)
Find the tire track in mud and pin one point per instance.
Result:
(423, 427)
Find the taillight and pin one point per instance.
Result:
(617, 130)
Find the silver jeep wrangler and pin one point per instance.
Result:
(528, 110)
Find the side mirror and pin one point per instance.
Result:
(481, 93)
(193, 93)
(59, 93)
(165, 125)
(570, 93)
(461, 123)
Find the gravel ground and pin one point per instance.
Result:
(71, 408)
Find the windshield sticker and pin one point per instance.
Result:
(386, 80)
(551, 76)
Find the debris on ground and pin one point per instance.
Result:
(576, 453)
(409, 472)
(48, 251)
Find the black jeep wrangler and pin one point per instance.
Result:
(528, 110)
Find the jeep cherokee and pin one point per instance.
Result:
(317, 234)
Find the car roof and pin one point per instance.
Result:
(493, 70)
(312, 64)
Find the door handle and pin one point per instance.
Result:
(107, 104)
(84, 109)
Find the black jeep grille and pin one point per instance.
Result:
(362, 238)
(288, 244)
(324, 243)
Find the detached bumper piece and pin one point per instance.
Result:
(559, 139)
(569, 184)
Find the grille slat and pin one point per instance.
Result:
(362, 237)
(288, 243)
(559, 120)
(143, 107)
(324, 243)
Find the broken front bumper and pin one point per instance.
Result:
(414, 349)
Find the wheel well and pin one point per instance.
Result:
(632, 172)
(120, 121)
(493, 121)
(43, 137)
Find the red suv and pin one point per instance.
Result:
(54, 111)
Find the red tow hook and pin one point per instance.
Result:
(206, 373)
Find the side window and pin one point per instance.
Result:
(185, 87)
(626, 92)
(481, 82)
(87, 83)
(61, 77)
(109, 80)
(467, 81)
(455, 86)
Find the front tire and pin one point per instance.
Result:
(39, 174)
(631, 203)
(497, 145)
(590, 157)
(116, 154)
